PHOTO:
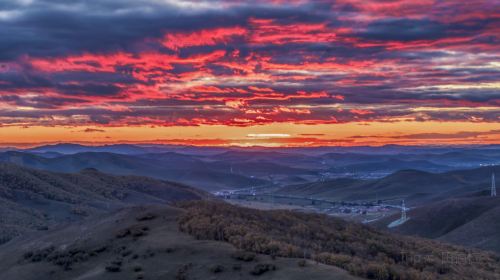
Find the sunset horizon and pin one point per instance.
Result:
(265, 136)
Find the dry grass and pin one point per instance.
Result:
(361, 250)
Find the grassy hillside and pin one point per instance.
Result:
(482, 232)
(144, 243)
(416, 186)
(359, 249)
(466, 221)
(32, 200)
(389, 165)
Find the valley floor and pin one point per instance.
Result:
(362, 214)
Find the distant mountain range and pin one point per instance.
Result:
(71, 148)
(388, 166)
(129, 149)
(229, 168)
(168, 166)
(413, 185)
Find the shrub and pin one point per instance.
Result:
(137, 268)
(216, 268)
(113, 268)
(182, 272)
(244, 256)
(262, 268)
(145, 217)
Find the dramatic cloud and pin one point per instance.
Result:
(227, 62)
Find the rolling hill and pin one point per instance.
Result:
(143, 243)
(471, 221)
(253, 166)
(425, 159)
(415, 186)
(214, 240)
(168, 166)
(389, 165)
(361, 250)
(34, 200)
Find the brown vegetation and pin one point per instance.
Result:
(359, 249)
(244, 256)
(262, 268)
(62, 258)
(34, 200)
(217, 268)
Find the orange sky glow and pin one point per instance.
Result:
(272, 135)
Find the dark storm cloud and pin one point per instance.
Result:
(35, 82)
(24, 80)
(53, 28)
(89, 89)
(41, 102)
(404, 30)
(95, 77)
(46, 29)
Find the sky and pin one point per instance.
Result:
(261, 72)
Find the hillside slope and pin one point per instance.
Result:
(359, 249)
(482, 232)
(469, 221)
(33, 200)
(389, 165)
(415, 186)
(143, 243)
(167, 166)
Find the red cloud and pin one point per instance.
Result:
(205, 37)
(301, 67)
(267, 31)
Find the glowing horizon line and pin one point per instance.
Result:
(268, 135)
